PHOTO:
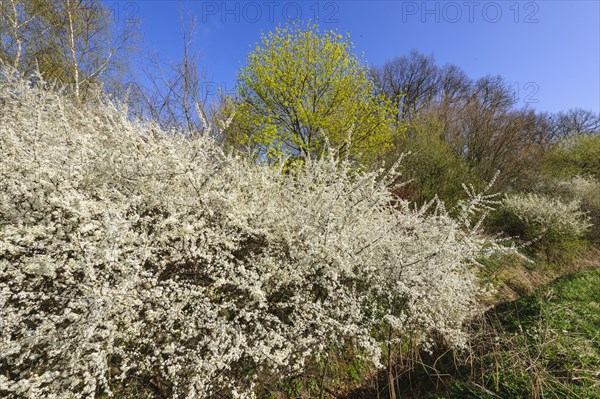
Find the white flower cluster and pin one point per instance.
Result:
(586, 190)
(543, 214)
(581, 187)
(133, 257)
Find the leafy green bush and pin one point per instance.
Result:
(432, 167)
(574, 156)
(302, 92)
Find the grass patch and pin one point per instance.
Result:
(545, 345)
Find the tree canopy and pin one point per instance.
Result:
(303, 92)
(77, 43)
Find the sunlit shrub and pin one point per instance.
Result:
(586, 190)
(433, 168)
(137, 262)
(554, 227)
(579, 155)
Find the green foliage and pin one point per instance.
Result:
(432, 166)
(302, 92)
(573, 156)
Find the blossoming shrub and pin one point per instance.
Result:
(554, 227)
(136, 263)
(586, 190)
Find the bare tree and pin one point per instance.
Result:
(13, 22)
(175, 96)
(452, 97)
(478, 119)
(576, 122)
(491, 134)
(410, 82)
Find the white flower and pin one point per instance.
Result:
(165, 259)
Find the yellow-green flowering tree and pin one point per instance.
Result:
(304, 92)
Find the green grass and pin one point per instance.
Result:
(545, 345)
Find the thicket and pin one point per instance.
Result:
(154, 246)
(134, 254)
(551, 227)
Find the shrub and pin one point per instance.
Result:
(433, 168)
(573, 156)
(140, 263)
(554, 227)
(585, 190)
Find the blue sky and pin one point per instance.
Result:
(548, 50)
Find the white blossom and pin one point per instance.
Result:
(132, 254)
(544, 213)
